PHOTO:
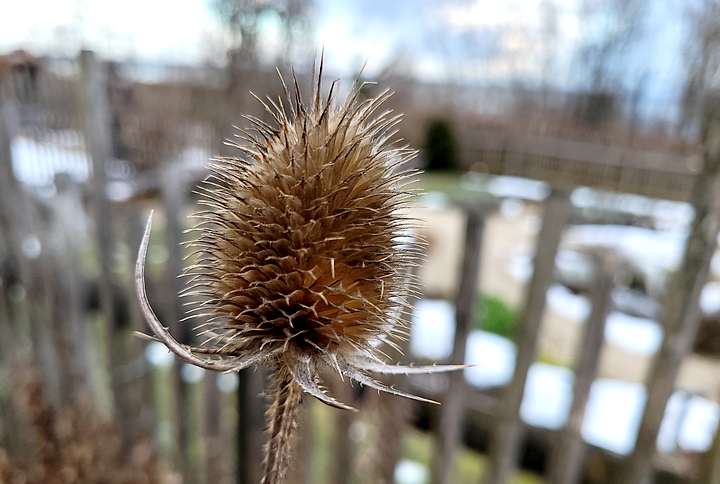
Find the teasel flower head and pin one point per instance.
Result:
(303, 260)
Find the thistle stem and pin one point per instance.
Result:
(282, 422)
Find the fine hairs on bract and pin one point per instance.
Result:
(303, 258)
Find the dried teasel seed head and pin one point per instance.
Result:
(302, 255)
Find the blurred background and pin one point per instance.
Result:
(570, 150)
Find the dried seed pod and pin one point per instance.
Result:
(303, 257)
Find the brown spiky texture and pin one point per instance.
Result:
(303, 254)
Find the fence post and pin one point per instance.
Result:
(250, 427)
(18, 218)
(453, 405)
(67, 287)
(506, 435)
(681, 313)
(98, 139)
(215, 452)
(12, 208)
(568, 453)
(12, 213)
(133, 219)
(344, 448)
(173, 189)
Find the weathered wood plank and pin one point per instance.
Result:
(568, 454)
(453, 407)
(507, 433)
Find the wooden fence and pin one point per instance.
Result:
(67, 304)
(570, 163)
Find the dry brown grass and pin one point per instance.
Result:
(71, 445)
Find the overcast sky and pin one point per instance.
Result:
(467, 40)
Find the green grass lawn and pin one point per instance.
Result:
(446, 182)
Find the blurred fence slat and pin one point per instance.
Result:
(10, 207)
(508, 429)
(394, 416)
(11, 213)
(27, 252)
(68, 289)
(113, 304)
(251, 424)
(568, 454)
(453, 405)
(172, 192)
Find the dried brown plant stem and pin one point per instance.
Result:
(282, 417)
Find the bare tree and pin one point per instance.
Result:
(681, 314)
(615, 26)
(243, 21)
(605, 57)
(703, 63)
(548, 43)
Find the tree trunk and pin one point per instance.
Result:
(681, 313)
